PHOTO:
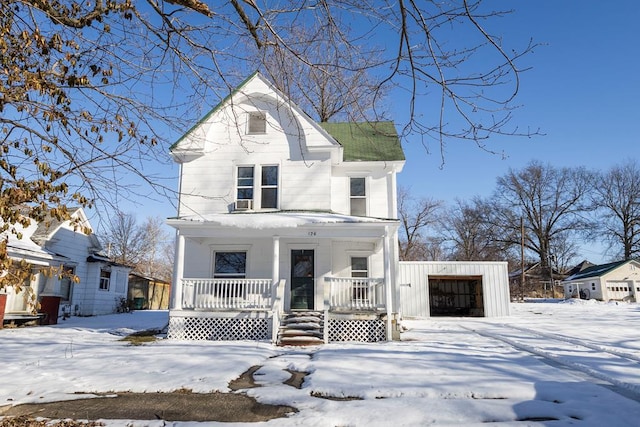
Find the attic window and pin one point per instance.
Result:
(257, 123)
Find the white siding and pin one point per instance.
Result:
(414, 287)
(379, 189)
(208, 183)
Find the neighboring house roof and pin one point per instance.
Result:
(148, 278)
(47, 228)
(367, 141)
(580, 267)
(24, 247)
(596, 270)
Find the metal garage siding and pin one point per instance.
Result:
(414, 299)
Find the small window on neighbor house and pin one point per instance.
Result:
(269, 184)
(257, 123)
(232, 265)
(593, 286)
(358, 197)
(245, 183)
(105, 279)
(66, 283)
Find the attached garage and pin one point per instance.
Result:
(449, 288)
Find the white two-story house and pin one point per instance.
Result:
(286, 228)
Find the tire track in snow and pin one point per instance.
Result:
(576, 341)
(624, 388)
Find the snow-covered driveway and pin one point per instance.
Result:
(548, 364)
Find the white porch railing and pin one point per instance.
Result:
(356, 293)
(227, 294)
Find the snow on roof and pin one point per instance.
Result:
(24, 242)
(267, 220)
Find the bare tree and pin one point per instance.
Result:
(416, 217)
(143, 247)
(329, 78)
(552, 202)
(617, 194)
(93, 92)
(468, 233)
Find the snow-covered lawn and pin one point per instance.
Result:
(549, 363)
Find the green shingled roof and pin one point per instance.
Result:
(374, 141)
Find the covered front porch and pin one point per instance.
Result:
(335, 272)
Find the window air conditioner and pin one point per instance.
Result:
(243, 205)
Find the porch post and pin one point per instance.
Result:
(178, 272)
(387, 280)
(275, 269)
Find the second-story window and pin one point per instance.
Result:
(358, 197)
(269, 193)
(245, 183)
(257, 123)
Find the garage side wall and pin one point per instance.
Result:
(413, 284)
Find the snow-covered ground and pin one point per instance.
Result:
(549, 363)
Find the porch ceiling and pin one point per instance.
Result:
(283, 224)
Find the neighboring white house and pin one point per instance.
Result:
(51, 243)
(619, 281)
(454, 288)
(279, 215)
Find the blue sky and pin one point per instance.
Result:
(581, 92)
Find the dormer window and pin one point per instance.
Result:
(257, 123)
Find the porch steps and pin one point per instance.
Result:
(301, 329)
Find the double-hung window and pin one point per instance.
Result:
(245, 183)
(269, 193)
(358, 196)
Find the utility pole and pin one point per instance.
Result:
(522, 275)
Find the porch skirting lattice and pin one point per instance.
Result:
(362, 330)
(219, 328)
